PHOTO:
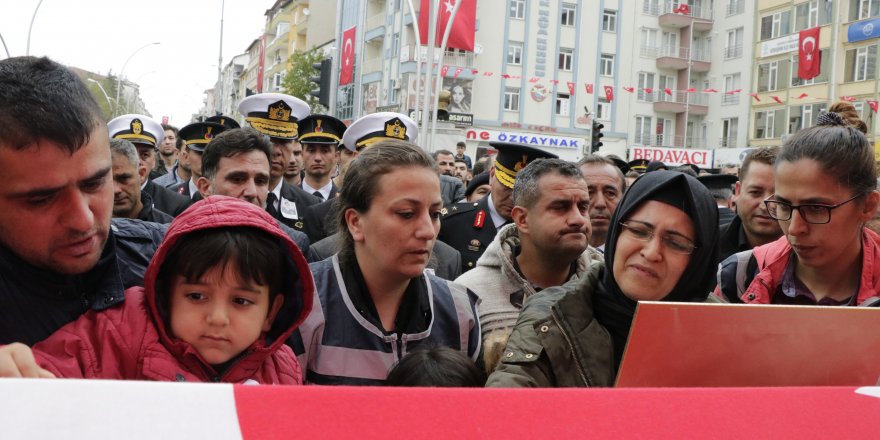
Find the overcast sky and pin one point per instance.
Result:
(99, 35)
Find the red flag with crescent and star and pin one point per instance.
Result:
(809, 57)
(609, 93)
(346, 69)
(464, 26)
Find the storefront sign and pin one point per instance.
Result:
(673, 156)
(534, 139)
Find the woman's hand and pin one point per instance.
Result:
(17, 360)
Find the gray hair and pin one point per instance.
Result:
(595, 159)
(125, 149)
(526, 189)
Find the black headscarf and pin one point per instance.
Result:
(613, 309)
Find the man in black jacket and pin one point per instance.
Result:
(129, 200)
(60, 255)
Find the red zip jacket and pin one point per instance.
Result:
(129, 341)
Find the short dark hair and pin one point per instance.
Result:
(526, 190)
(436, 367)
(479, 167)
(179, 142)
(595, 159)
(230, 143)
(41, 99)
(361, 181)
(257, 257)
(765, 155)
(841, 151)
(461, 144)
(439, 152)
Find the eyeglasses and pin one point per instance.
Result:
(815, 214)
(675, 243)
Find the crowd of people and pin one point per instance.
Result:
(293, 249)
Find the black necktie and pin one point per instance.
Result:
(318, 195)
(270, 205)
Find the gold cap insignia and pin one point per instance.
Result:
(395, 129)
(208, 134)
(318, 128)
(521, 164)
(279, 111)
(137, 126)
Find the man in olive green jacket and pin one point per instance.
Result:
(557, 342)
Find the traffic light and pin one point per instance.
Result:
(322, 82)
(597, 136)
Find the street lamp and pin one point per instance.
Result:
(31, 27)
(119, 77)
(107, 97)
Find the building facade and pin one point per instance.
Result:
(849, 47)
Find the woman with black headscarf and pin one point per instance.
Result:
(661, 247)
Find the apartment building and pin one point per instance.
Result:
(848, 40)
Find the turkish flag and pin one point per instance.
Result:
(570, 87)
(589, 88)
(463, 27)
(444, 70)
(609, 93)
(873, 104)
(667, 91)
(809, 57)
(458, 71)
(776, 98)
(710, 91)
(346, 69)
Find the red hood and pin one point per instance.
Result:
(218, 212)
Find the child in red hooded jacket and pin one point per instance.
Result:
(221, 295)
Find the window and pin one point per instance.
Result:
(731, 83)
(395, 45)
(609, 20)
(803, 116)
(735, 7)
(866, 114)
(811, 14)
(277, 57)
(643, 130)
(565, 58)
(646, 81)
(734, 47)
(769, 124)
(511, 99)
(651, 7)
(862, 9)
(729, 129)
(649, 42)
(825, 61)
(606, 64)
(861, 63)
(569, 14)
(514, 53)
(276, 81)
(769, 74)
(518, 9)
(776, 25)
(603, 109)
(562, 104)
(281, 29)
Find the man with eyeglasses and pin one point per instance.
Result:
(752, 225)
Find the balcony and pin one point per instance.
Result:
(302, 25)
(372, 65)
(678, 58)
(667, 140)
(728, 142)
(731, 52)
(375, 27)
(700, 17)
(680, 102)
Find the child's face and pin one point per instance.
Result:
(220, 315)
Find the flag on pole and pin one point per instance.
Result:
(346, 71)
(570, 87)
(755, 95)
(776, 98)
(628, 89)
(802, 96)
(710, 91)
(444, 70)
(463, 26)
(873, 104)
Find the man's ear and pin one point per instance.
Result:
(520, 214)
(142, 173)
(204, 186)
(273, 311)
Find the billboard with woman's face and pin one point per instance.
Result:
(460, 94)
